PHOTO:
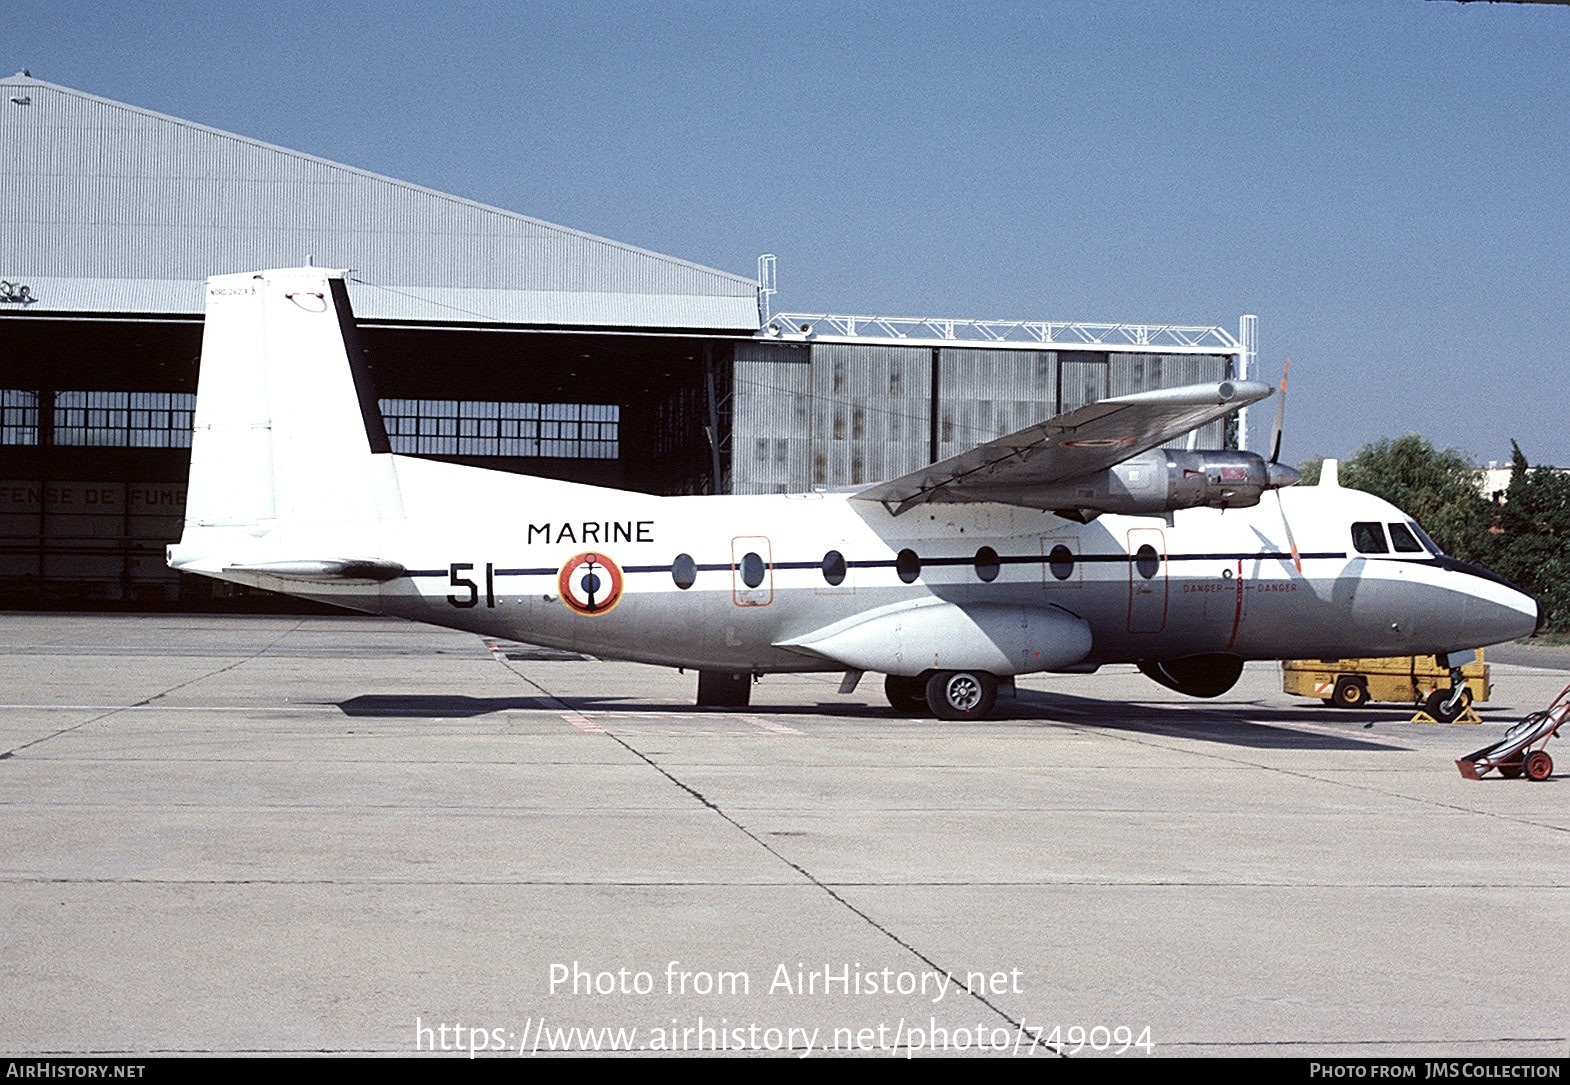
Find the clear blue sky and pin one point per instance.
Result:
(1386, 184)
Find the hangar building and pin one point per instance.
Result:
(493, 338)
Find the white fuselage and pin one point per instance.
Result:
(486, 551)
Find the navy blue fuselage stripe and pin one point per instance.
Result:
(1001, 559)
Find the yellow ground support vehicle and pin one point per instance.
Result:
(1414, 680)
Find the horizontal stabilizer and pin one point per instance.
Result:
(329, 569)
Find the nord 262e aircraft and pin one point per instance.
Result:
(1074, 543)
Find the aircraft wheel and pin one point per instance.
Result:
(1510, 770)
(962, 695)
(1435, 705)
(1539, 766)
(908, 695)
(1349, 693)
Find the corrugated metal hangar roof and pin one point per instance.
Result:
(109, 208)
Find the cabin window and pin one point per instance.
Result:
(1403, 540)
(908, 566)
(684, 571)
(987, 564)
(1061, 562)
(751, 569)
(1147, 561)
(834, 567)
(1369, 538)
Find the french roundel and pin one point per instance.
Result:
(590, 583)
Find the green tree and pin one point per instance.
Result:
(1531, 544)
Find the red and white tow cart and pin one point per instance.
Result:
(1521, 750)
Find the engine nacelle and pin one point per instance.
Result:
(1221, 480)
(1163, 480)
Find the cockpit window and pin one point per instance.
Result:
(1369, 538)
(1403, 540)
(1433, 547)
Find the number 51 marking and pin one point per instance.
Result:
(472, 598)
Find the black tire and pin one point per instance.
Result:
(1435, 705)
(1539, 766)
(1349, 693)
(1510, 770)
(962, 695)
(908, 695)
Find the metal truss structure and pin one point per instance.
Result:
(1019, 334)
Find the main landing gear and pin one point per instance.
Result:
(907, 695)
(948, 695)
(724, 689)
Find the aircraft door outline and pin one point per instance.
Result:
(1147, 580)
(752, 571)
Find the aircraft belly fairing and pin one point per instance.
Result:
(908, 639)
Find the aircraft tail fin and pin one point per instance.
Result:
(287, 433)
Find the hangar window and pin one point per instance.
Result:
(908, 565)
(450, 427)
(18, 417)
(123, 419)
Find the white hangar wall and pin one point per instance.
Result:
(113, 208)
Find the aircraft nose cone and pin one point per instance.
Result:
(1499, 611)
(1278, 475)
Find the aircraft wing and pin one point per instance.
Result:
(1074, 444)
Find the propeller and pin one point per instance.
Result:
(1277, 474)
(1281, 413)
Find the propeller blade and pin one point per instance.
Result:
(1281, 411)
(1275, 468)
(1297, 560)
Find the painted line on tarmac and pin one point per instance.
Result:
(770, 726)
(659, 724)
(584, 723)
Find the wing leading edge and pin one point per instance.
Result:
(1019, 468)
